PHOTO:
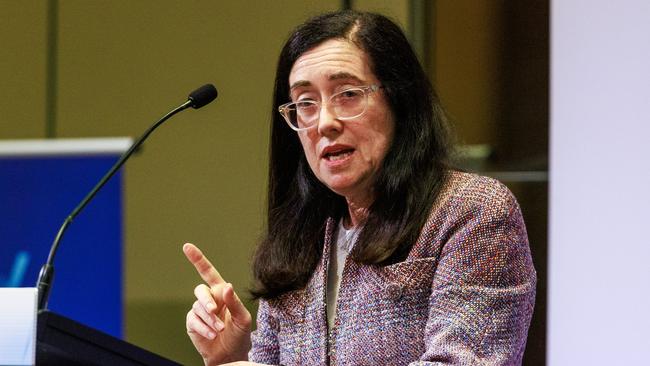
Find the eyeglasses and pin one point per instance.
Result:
(347, 104)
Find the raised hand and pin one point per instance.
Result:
(218, 323)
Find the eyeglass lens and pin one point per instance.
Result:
(347, 104)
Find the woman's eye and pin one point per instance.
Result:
(348, 95)
(304, 105)
(352, 93)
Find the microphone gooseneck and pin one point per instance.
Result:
(197, 99)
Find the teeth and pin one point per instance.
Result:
(339, 155)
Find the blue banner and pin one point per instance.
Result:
(36, 195)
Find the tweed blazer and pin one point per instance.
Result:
(463, 296)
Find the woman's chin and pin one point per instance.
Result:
(349, 188)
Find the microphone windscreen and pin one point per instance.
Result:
(202, 96)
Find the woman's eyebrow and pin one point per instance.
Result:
(299, 84)
(336, 76)
(344, 75)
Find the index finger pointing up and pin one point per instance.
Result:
(206, 270)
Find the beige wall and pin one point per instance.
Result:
(397, 10)
(467, 65)
(22, 69)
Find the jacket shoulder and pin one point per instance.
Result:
(471, 191)
(466, 200)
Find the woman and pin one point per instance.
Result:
(376, 252)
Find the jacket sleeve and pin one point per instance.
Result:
(483, 291)
(265, 348)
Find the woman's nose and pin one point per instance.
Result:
(328, 123)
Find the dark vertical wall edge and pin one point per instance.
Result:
(51, 58)
(431, 40)
(420, 16)
(346, 4)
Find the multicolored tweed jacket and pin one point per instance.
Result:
(464, 295)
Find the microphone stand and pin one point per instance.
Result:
(197, 99)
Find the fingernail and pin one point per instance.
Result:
(218, 325)
(211, 335)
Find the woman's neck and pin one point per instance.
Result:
(357, 212)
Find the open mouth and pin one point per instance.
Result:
(338, 155)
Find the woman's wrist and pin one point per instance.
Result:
(233, 357)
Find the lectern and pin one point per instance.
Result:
(63, 341)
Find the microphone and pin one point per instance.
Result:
(197, 99)
(202, 96)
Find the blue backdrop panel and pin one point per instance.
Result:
(36, 195)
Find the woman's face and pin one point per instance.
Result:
(344, 155)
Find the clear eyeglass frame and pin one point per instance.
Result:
(335, 100)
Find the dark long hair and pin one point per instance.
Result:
(407, 184)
